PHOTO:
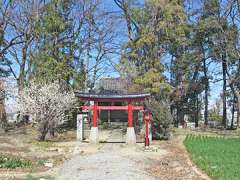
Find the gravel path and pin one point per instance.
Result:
(102, 166)
(107, 164)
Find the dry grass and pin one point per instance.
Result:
(22, 143)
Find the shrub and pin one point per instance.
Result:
(104, 125)
(213, 116)
(7, 161)
(162, 118)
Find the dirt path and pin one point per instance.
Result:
(176, 163)
(167, 160)
(109, 162)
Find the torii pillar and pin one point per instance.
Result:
(130, 136)
(93, 138)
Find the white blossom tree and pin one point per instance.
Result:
(46, 104)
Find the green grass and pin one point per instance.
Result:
(31, 177)
(7, 161)
(219, 157)
(41, 162)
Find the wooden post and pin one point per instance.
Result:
(130, 114)
(93, 137)
(146, 136)
(146, 119)
(130, 136)
(95, 114)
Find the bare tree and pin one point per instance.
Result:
(7, 40)
(97, 39)
(103, 46)
(124, 5)
(23, 23)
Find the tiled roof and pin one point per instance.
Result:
(112, 86)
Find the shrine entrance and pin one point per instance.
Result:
(100, 102)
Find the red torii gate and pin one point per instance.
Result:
(129, 98)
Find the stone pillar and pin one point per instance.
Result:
(80, 125)
(130, 136)
(150, 132)
(93, 138)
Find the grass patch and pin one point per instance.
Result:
(219, 157)
(42, 144)
(41, 162)
(7, 161)
(30, 177)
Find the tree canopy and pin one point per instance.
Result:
(178, 50)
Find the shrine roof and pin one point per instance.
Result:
(111, 97)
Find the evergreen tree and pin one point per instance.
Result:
(54, 56)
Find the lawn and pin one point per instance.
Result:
(219, 157)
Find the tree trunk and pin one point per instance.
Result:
(42, 136)
(177, 115)
(180, 115)
(237, 95)
(238, 118)
(125, 8)
(20, 83)
(94, 79)
(3, 115)
(21, 78)
(224, 96)
(205, 93)
(43, 130)
(237, 98)
(52, 132)
(233, 109)
(196, 111)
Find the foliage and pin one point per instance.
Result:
(217, 156)
(177, 50)
(160, 112)
(161, 116)
(7, 161)
(144, 52)
(41, 162)
(53, 62)
(214, 116)
(104, 125)
(161, 29)
(188, 39)
(46, 104)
